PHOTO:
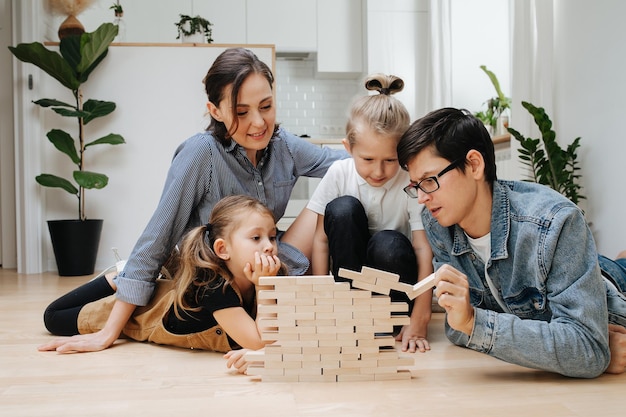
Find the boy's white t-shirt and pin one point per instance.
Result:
(387, 207)
(482, 248)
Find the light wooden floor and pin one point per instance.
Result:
(148, 380)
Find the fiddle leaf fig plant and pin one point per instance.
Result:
(546, 161)
(78, 56)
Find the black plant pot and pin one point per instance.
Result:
(75, 244)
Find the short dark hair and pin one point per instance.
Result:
(233, 66)
(451, 133)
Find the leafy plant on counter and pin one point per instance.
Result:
(546, 161)
(497, 105)
(79, 56)
(188, 26)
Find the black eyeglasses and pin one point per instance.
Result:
(430, 184)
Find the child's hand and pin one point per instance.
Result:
(264, 266)
(412, 340)
(235, 359)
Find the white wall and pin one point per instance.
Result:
(590, 102)
(480, 36)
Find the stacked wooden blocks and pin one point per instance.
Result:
(327, 331)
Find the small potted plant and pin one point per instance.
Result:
(75, 242)
(495, 117)
(117, 9)
(194, 29)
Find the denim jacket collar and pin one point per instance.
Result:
(500, 226)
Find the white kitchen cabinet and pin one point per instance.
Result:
(228, 19)
(290, 25)
(340, 36)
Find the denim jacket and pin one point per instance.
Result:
(544, 265)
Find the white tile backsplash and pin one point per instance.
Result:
(312, 106)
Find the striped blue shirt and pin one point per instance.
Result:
(202, 172)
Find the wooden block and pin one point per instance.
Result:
(296, 301)
(356, 377)
(274, 309)
(273, 280)
(318, 336)
(337, 315)
(370, 287)
(354, 322)
(379, 370)
(422, 286)
(334, 301)
(354, 276)
(339, 343)
(317, 378)
(303, 357)
(276, 348)
(379, 274)
(315, 279)
(326, 350)
(303, 371)
(371, 363)
(283, 364)
(353, 294)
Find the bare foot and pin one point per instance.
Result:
(622, 254)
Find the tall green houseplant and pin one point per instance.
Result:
(547, 162)
(78, 56)
(75, 242)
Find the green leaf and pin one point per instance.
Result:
(49, 102)
(96, 108)
(49, 61)
(69, 47)
(94, 45)
(91, 180)
(504, 101)
(49, 180)
(110, 139)
(69, 113)
(65, 143)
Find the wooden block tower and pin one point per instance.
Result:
(327, 331)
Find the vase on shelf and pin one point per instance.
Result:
(121, 25)
(70, 26)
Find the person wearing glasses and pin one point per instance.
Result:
(517, 269)
(363, 216)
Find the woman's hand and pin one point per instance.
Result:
(100, 340)
(264, 266)
(452, 290)
(91, 342)
(235, 359)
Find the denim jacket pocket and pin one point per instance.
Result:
(476, 296)
(528, 303)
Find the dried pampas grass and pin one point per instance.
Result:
(67, 7)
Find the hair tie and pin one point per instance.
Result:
(384, 91)
(209, 228)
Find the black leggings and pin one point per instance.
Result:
(350, 245)
(61, 316)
